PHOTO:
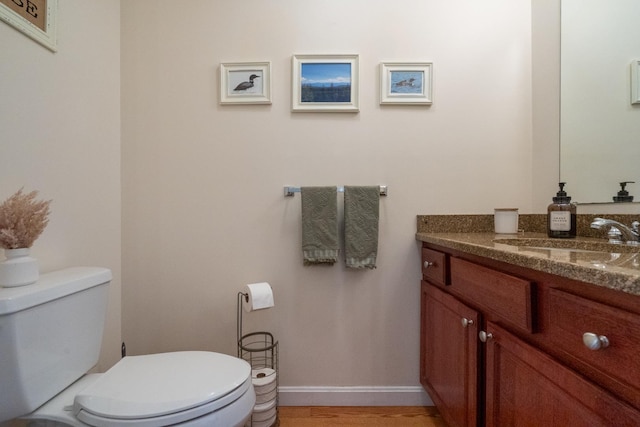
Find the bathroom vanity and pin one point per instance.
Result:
(515, 334)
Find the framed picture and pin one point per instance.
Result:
(325, 83)
(406, 83)
(35, 18)
(635, 82)
(245, 83)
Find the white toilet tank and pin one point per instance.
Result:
(50, 335)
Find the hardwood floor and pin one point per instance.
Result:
(346, 416)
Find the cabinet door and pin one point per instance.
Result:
(449, 356)
(525, 387)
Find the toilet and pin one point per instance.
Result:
(50, 335)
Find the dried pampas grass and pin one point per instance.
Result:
(22, 220)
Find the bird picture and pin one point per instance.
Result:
(246, 85)
(406, 82)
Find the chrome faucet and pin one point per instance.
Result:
(618, 232)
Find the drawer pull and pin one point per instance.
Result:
(466, 322)
(485, 336)
(595, 342)
(428, 264)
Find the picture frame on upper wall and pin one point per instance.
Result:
(325, 83)
(245, 83)
(635, 82)
(36, 19)
(406, 83)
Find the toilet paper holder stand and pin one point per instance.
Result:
(269, 344)
(260, 350)
(242, 297)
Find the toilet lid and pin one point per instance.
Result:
(158, 385)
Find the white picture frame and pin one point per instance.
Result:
(325, 83)
(46, 14)
(635, 82)
(245, 83)
(406, 83)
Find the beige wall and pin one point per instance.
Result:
(60, 135)
(203, 210)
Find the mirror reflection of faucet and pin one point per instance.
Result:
(623, 195)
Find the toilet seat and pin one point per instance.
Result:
(163, 389)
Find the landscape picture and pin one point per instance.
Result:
(325, 82)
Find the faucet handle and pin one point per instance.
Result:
(635, 226)
(615, 235)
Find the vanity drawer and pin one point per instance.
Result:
(435, 267)
(502, 295)
(571, 316)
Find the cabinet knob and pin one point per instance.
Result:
(466, 322)
(595, 342)
(485, 336)
(428, 264)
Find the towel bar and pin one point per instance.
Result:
(290, 191)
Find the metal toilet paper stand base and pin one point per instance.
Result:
(260, 350)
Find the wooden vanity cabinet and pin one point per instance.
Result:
(502, 346)
(449, 370)
(526, 387)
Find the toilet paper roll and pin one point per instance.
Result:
(265, 407)
(264, 415)
(267, 423)
(267, 397)
(263, 376)
(260, 296)
(264, 389)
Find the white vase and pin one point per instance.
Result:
(18, 269)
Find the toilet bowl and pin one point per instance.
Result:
(48, 338)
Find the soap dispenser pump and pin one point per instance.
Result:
(623, 195)
(561, 216)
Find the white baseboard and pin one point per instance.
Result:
(353, 396)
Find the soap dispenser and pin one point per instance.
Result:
(623, 195)
(561, 216)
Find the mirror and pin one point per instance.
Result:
(599, 125)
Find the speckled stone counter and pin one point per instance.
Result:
(473, 234)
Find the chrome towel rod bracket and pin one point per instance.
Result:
(290, 191)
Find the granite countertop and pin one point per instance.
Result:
(473, 234)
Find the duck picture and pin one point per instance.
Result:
(246, 85)
(406, 82)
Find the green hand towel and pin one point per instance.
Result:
(319, 225)
(361, 215)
